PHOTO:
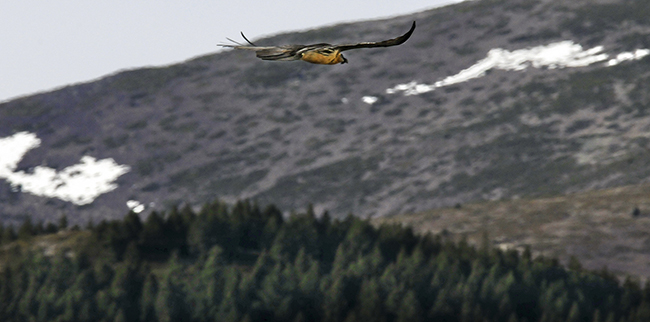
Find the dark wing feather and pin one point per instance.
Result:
(386, 43)
(286, 52)
(236, 44)
(248, 41)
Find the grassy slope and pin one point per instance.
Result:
(65, 241)
(596, 226)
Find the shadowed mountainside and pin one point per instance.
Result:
(290, 133)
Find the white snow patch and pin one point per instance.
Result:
(135, 206)
(628, 55)
(555, 55)
(13, 148)
(369, 99)
(411, 88)
(80, 183)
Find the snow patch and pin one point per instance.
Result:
(369, 99)
(629, 55)
(135, 206)
(14, 148)
(561, 54)
(80, 184)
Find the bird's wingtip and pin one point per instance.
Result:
(248, 41)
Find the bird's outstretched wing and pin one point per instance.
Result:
(386, 43)
(317, 53)
(284, 52)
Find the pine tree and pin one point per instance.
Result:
(27, 229)
(574, 264)
(396, 292)
(597, 317)
(369, 302)
(309, 276)
(88, 310)
(39, 229)
(352, 317)
(132, 226)
(28, 305)
(51, 228)
(334, 299)
(84, 290)
(6, 292)
(410, 309)
(69, 313)
(207, 286)
(148, 301)
(170, 302)
(152, 239)
(125, 290)
(300, 317)
(228, 311)
(9, 235)
(574, 313)
(643, 311)
(120, 316)
(63, 223)
(272, 293)
(103, 273)
(176, 228)
(45, 311)
(132, 255)
(274, 221)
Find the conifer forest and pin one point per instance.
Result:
(244, 262)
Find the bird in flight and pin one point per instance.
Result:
(317, 53)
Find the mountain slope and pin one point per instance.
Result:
(601, 228)
(353, 138)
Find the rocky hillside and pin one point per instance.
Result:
(489, 99)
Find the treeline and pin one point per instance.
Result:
(28, 229)
(245, 263)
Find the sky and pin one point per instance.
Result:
(49, 44)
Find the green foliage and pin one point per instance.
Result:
(27, 229)
(242, 262)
